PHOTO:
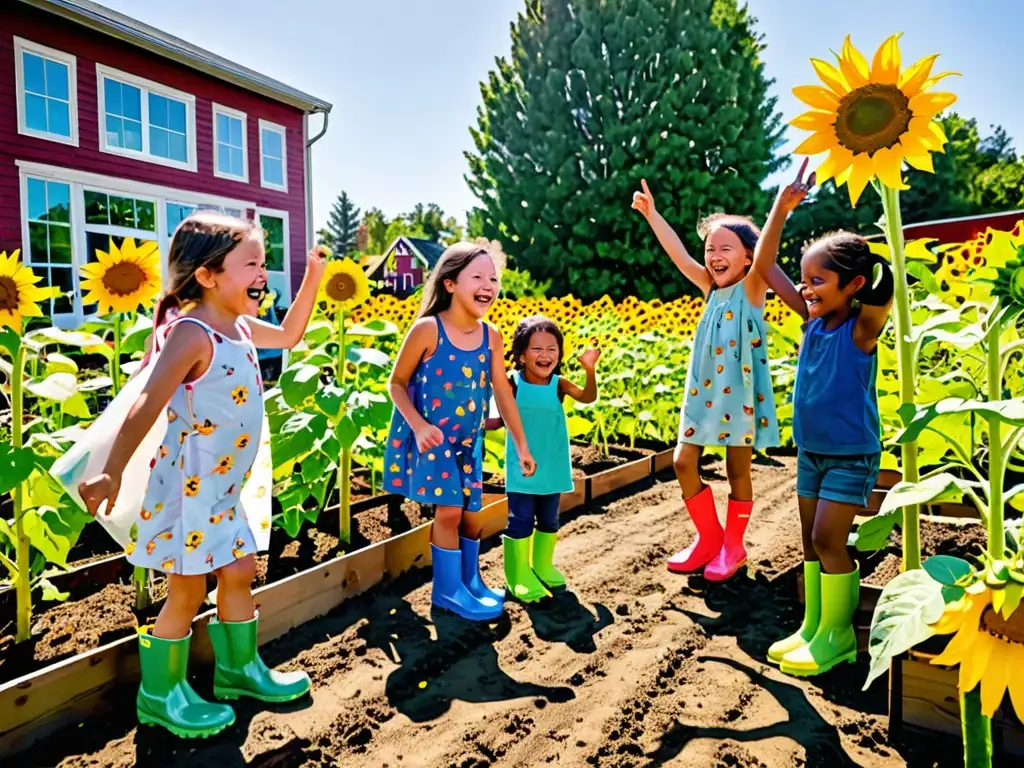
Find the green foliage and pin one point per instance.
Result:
(598, 93)
(520, 284)
(342, 223)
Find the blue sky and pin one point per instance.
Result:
(404, 75)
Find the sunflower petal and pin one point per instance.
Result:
(862, 172)
(1016, 683)
(939, 136)
(816, 144)
(814, 120)
(888, 162)
(817, 97)
(839, 158)
(922, 162)
(931, 81)
(958, 648)
(930, 103)
(953, 616)
(915, 76)
(831, 77)
(853, 65)
(973, 668)
(885, 68)
(993, 682)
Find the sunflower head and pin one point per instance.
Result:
(1008, 284)
(344, 286)
(122, 279)
(872, 118)
(19, 296)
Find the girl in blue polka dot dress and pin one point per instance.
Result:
(441, 387)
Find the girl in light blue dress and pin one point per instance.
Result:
(729, 399)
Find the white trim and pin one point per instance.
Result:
(220, 109)
(146, 86)
(67, 319)
(266, 125)
(21, 46)
(997, 214)
(126, 185)
(286, 271)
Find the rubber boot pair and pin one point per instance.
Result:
(166, 698)
(826, 637)
(720, 553)
(529, 566)
(458, 586)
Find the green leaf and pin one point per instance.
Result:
(95, 384)
(940, 487)
(44, 491)
(873, 534)
(947, 570)
(952, 594)
(318, 332)
(578, 426)
(51, 593)
(347, 432)
(76, 406)
(299, 382)
(917, 417)
(135, 342)
(58, 363)
(907, 608)
(69, 338)
(329, 399)
(59, 387)
(9, 340)
(369, 409)
(313, 467)
(16, 465)
(925, 275)
(53, 546)
(377, 328)
(1012, 594)
(297, 437)
(368, 356)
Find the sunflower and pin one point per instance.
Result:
(1008, 284)
(19, 295)
(870, 120)
(988, 648)
(122, 279)
(344, 286)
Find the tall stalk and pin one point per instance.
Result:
(906, 364)
(976, 729)
(345, 463)
(23, 588)
(996, 458)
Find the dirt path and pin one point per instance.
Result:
(634, 667)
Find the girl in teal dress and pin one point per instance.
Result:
(729, 400)
(441, 387)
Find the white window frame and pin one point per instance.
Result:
(220, 109)
(286, 270)
(266, 125)
(146, 86)
(160, 195)
(22, 46)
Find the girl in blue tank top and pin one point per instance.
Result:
(441, 388)
(529, 540)
(835, 423)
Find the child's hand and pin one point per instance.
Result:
(793, 194)
(428, 436)
(526, 463)
(644, 201)
(316, 262)
(589, 359)
(101, 488)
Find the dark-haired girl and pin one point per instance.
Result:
(529, 541)
(441, 387)
(844, 298)
(729, 400)
(197, 513)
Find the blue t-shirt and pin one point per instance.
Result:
(835, 403)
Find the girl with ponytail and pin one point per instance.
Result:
(844, 297)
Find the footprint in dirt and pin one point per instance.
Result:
(563, 619)
(461, 663)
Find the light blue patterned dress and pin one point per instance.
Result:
(729, 399)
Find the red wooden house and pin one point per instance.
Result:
(958, 230)
(405, 265)
(110, 128)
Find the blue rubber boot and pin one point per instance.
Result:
(452, 595)
(471, 571)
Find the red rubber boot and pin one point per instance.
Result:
(709, 535)
(732, 556)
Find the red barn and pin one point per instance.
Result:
(959, 230)
(110, 128)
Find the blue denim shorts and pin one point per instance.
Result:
(843, 479)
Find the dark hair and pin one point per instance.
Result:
(850, 256)
(436, 298)
(202, 240)
(741, 226)
(525, 331)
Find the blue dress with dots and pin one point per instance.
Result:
(452, 390)
(729, 398)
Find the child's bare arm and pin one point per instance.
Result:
(505, 399)
(690, 267)
(417, 345)
(293, 327)
(589, 392)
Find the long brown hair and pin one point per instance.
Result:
(436, 298)
(202, 240)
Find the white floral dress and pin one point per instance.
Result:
(192, 519)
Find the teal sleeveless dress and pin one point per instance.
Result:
(729, 398)
(547, 434)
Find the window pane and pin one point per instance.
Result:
(273, 242)
(61, 277)
(177, 213)
(222, 127)
(145, 212)
(158, 110)
(96, 204)
(223, 158)
(58, 117)
(112, 97)
(35, 79)
(56, 80)
(271, 143)
(35, 112)
(177, 148)
(60, 244)
(58, 201)
(176, 116)
(96, 242)
(237, 164)
(236, 133)
(158, 142)
(133, 135)
(38, 250)
(115, 132)
(272, 173)
(36, 199)
(122, 211)
(131, 102)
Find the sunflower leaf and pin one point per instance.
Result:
(1011, 598)
(917, 417)
(947, 570)
(907, 608)
(9, 340)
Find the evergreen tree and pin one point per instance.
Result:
(596, 95)
(342, 225)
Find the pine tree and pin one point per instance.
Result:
(599, 93)
(342, 225)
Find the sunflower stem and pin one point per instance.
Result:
(23, 588)
(115, 361)
(996, 459)
(345, 464)
(977, 730)
(905, 362)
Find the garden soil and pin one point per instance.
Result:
(634, 666)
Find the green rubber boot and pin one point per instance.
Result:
(836, 640)
(543, 557)
(812, 615)
(241, 672)
(165, 697)
(520, 580)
